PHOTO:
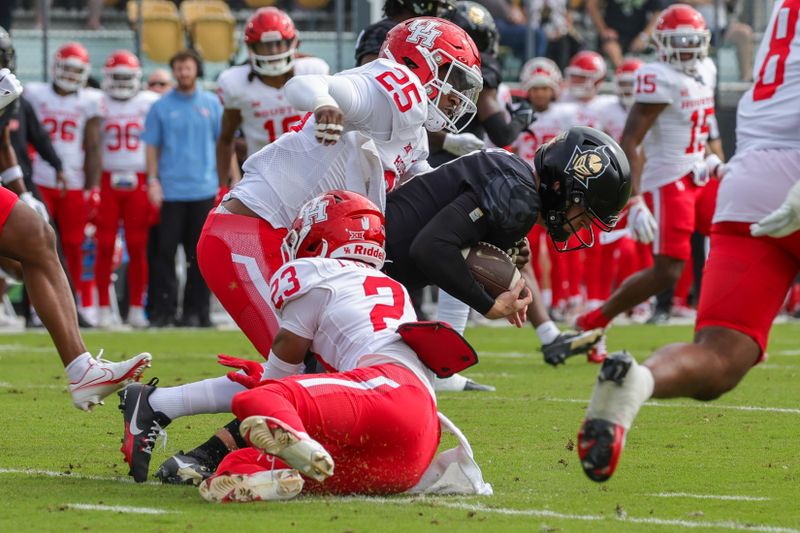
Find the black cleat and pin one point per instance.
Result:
(142, 427)
(185, 469)
(570, 343)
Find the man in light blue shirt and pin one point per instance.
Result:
(181, 130)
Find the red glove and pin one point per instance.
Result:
(220, 195)
(92, 197)
(252, 370)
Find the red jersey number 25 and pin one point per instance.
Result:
(403, 90)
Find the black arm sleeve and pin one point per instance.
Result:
(500, 132)
(39, 138)
(436, 250)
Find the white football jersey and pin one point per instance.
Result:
(64, 118)
(768, 116)
(349, 310)
(548, 124)
(678, 138)
(123, 122)
(266, 115)
(612, 115)
(284, 175)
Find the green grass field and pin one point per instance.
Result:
(729, 465)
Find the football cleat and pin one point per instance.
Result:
(570, 343)
(184, 469)
(598, 352)
(297, 449)
(103, 377)
(459, 383)
(622, 387)
(282, 484)
(136, 318)
(143, 426)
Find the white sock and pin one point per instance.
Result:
(620, 403)
(453, 311)
(455, 382)
(547, 332)
(209, 396)
(77, 367)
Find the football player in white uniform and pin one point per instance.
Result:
(365, 132)
(123, 184)
(25, 236)
(670, 118)
(71, 113)
(253, 95)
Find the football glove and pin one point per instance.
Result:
(461, 143)
(641, 222)
(10, 88)
(782, 221)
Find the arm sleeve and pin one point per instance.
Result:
(437, 250)
(301, 316)
(354, 95)
(500, 132)
(38, 138)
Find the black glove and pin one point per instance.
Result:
(570, 343)
(520, 253)
(522, 114)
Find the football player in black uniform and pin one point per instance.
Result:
(370, 40)
(582, 179)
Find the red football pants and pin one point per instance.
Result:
(70, 212)
(132, 207)
(237, 256)
(378, 423)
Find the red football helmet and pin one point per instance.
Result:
(122, 75)
(445, 60)
(682, 37)
(340, 225)
(71, 67)
(541, 72)
(625, 79)
(585, 72)
(273, 27)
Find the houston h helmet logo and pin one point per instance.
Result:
(314, 211)
(423, 32)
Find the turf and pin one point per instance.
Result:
(522, 435)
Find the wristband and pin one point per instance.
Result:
(324, 100)
(10, 174)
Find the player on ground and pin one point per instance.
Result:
(71, 113)
(123, 185)
(365, 133)
(253, 94)
(755, 256)
(25, 236)
(334, 301)
(674, 100)
(490, 196)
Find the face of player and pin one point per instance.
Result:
(272, 48)
(582, 87)
(461, 81)
(540, 97)
(185, 73)
(72, 74)
(578, 218)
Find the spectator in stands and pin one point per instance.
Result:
(7, 8)
(511, 23)
(624, 26)
(549, 20)
(95, 11)
(159, 81)
(725, 25)
(181, 130)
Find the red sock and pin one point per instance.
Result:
(593, 319)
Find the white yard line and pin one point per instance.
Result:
(116, 508)
(75, 475)
(710, 496)
(704, 405)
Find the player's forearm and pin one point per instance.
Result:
(537, 312)
(151, 161)
(92, 166)
(224, 155)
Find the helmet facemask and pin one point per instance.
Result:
(450, 76)
(122, 83)
(626, 89)
(273, 64)
(70, 74)
(675, 45)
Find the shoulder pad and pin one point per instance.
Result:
(492, 71)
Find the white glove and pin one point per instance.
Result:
(641, 222)
(462, 143)
(35, 204)
(10, 88)
(782, 221)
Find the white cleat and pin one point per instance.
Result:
(136, 318)
(103, 377)
(297, 449)
(105, 318)
(269, 485)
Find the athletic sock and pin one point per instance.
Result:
(453, 311)
(202, 397)
(593, 319)
(547, 332)
(620, 403)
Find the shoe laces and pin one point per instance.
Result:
(153, 434)
(100, 359)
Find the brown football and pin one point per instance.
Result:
(491, 267)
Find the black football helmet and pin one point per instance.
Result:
(581, 167)
(8, 56)
(479, 25)
(420, 8)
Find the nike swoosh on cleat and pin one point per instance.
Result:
(181, 464)
(134, 429)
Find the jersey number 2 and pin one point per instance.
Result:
(398, 82)
(779, 46)
(380, 312)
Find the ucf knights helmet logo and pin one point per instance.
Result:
(586, 165)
